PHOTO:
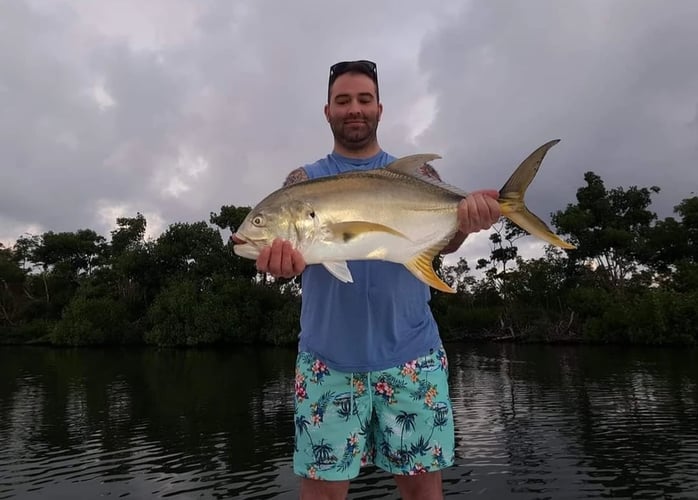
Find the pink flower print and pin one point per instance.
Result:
(301, 393)
(430, 395)
(410, 369)
(417, 469)
(312, 472)
(316, 413)
(384, 389)
(359, 387)
(319, 370)
(436, 451)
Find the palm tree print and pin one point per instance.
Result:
(302, 425)
(406, 422)
(324, 457)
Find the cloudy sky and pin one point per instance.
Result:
(176, 107)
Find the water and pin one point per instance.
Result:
(533, 422)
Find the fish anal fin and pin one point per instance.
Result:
(339, 270)
(421, 267)
(347, 231)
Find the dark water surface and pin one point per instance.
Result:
(533, 422)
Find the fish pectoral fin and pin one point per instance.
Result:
(339, 270)
(347, 231)
(421, 267)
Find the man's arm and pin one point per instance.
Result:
(296, 175)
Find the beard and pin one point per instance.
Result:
(354, 136)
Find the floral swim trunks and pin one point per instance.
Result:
(399, 419)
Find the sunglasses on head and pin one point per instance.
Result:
(363, 66)
(368, 68)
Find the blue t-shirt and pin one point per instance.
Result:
(381, 320)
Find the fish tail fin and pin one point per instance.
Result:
(511, 199)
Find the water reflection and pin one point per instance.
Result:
(532, 422)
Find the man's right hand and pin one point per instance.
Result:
(281, 260)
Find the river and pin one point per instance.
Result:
(532, 422)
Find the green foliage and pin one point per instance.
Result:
(221, 310)
(609, 227)
(187, 313)
(653, 317)
(91, 321)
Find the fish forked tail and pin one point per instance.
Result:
(511, 199)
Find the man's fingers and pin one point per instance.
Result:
(275, 257)
(280, 260)
(263, 260)
(286, 268)
(494, 208)
(298, 262)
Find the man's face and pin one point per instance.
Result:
(353, 111)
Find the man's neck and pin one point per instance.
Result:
(366, 152)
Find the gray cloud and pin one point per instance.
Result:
(616, 81)
(176, 108)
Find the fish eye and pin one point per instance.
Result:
(258, 220)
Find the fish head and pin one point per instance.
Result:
(291, 220)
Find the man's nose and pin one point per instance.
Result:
(354, 108)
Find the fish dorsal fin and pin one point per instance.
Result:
(412, 166)
(339, 270)
(421, 267)
(344, 232)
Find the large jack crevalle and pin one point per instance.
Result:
(395, 214)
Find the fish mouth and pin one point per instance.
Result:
(238, 240)
(244, 246)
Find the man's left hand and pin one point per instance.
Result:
(480, 210)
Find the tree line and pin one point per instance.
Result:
(633, 278)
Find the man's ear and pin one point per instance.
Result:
(380, 110)
(327, 112)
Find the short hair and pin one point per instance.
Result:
(362, 66)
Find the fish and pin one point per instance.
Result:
(395, 213)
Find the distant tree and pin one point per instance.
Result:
(229, 219)
(610, 228)
(12, 277)
(129, 234)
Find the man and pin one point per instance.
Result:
(371, 373)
